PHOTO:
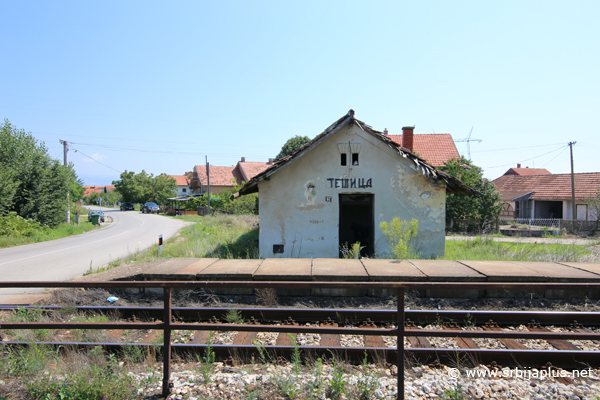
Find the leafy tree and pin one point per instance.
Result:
(471, 213)
(33, 184)
(593, 202)
(292, 145)
(143, 187)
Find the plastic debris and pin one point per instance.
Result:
(112, 299)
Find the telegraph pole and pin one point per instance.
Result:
(65, 150)
(573, 183)
(208, 183)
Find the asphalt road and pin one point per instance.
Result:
(64, 259)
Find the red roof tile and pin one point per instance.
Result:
(181, 180)
(548, 187)
(528, 171)
(219, 176)
(435, 148)
(250, 169)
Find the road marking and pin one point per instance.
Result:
(68, 248)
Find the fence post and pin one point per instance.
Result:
(167, 343)
(400, 344)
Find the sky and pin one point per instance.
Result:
(163, 86)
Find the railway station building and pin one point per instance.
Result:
(340, 186)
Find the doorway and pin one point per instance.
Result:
(356, 222)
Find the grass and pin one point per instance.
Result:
(488, 249)
(215, 236)
(61, 231)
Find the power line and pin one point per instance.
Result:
(553, 158)
(518, 148)
(93, 159)
(533, 158)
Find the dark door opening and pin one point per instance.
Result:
(356, 222)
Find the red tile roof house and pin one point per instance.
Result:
(536, 193)
(183, 184)
(97, 189)
(222, 178)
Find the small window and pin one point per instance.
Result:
(183, 190)
(354, 158)
(344, 162)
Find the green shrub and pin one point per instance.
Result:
(401, 236)
(351, 252)
(16, 226)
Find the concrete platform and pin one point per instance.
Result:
(372, 270)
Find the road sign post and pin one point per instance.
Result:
(159, 245)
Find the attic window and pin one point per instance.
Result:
(344, 161)
(354, 158)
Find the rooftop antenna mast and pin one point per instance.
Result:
(469, 140)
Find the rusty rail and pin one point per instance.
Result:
(400, 332)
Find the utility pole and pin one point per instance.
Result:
(573, 183)
(65, 150)
(208, 183)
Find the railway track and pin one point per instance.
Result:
(506, 338)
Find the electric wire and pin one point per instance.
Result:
(93, 159)
(532, 158)
(553, 158)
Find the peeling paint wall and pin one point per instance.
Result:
(299, 205)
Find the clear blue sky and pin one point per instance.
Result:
(159, 85)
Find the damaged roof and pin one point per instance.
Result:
(453, 185)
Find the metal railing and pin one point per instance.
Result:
(167, 326)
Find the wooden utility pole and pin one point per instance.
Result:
(573, 184)
(65, 150)
(208, 184)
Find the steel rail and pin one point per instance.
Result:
(470, 317)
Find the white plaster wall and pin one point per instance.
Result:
(293, 210)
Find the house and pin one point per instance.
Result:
(545, 195)
(340, 186)
(97, 189)
(183, 184)
(222, 178)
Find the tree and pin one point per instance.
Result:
(471, 213)
(593, 202)
(292, 145)
(140, 188)
(33, 184)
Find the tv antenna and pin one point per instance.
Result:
(469, 140)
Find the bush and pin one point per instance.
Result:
(16, 226)
(400, 235)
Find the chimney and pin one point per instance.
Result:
(270, 161)
(243, 159)
(407, 137)
(385, 132)
(518, 165)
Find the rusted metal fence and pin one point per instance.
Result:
(167, 326)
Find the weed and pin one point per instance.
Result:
(207, 364)
(287, 385)
(453, 394)
(401, 235)
(267, 297)
(27, 361)
(262, 351)
(352, 252)
(234, 316)
(367, 381)
(337, 385)
(134, 354)
(316, 388)
(296, 359)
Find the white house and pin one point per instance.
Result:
(340, 186)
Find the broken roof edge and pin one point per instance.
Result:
(453, 185)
